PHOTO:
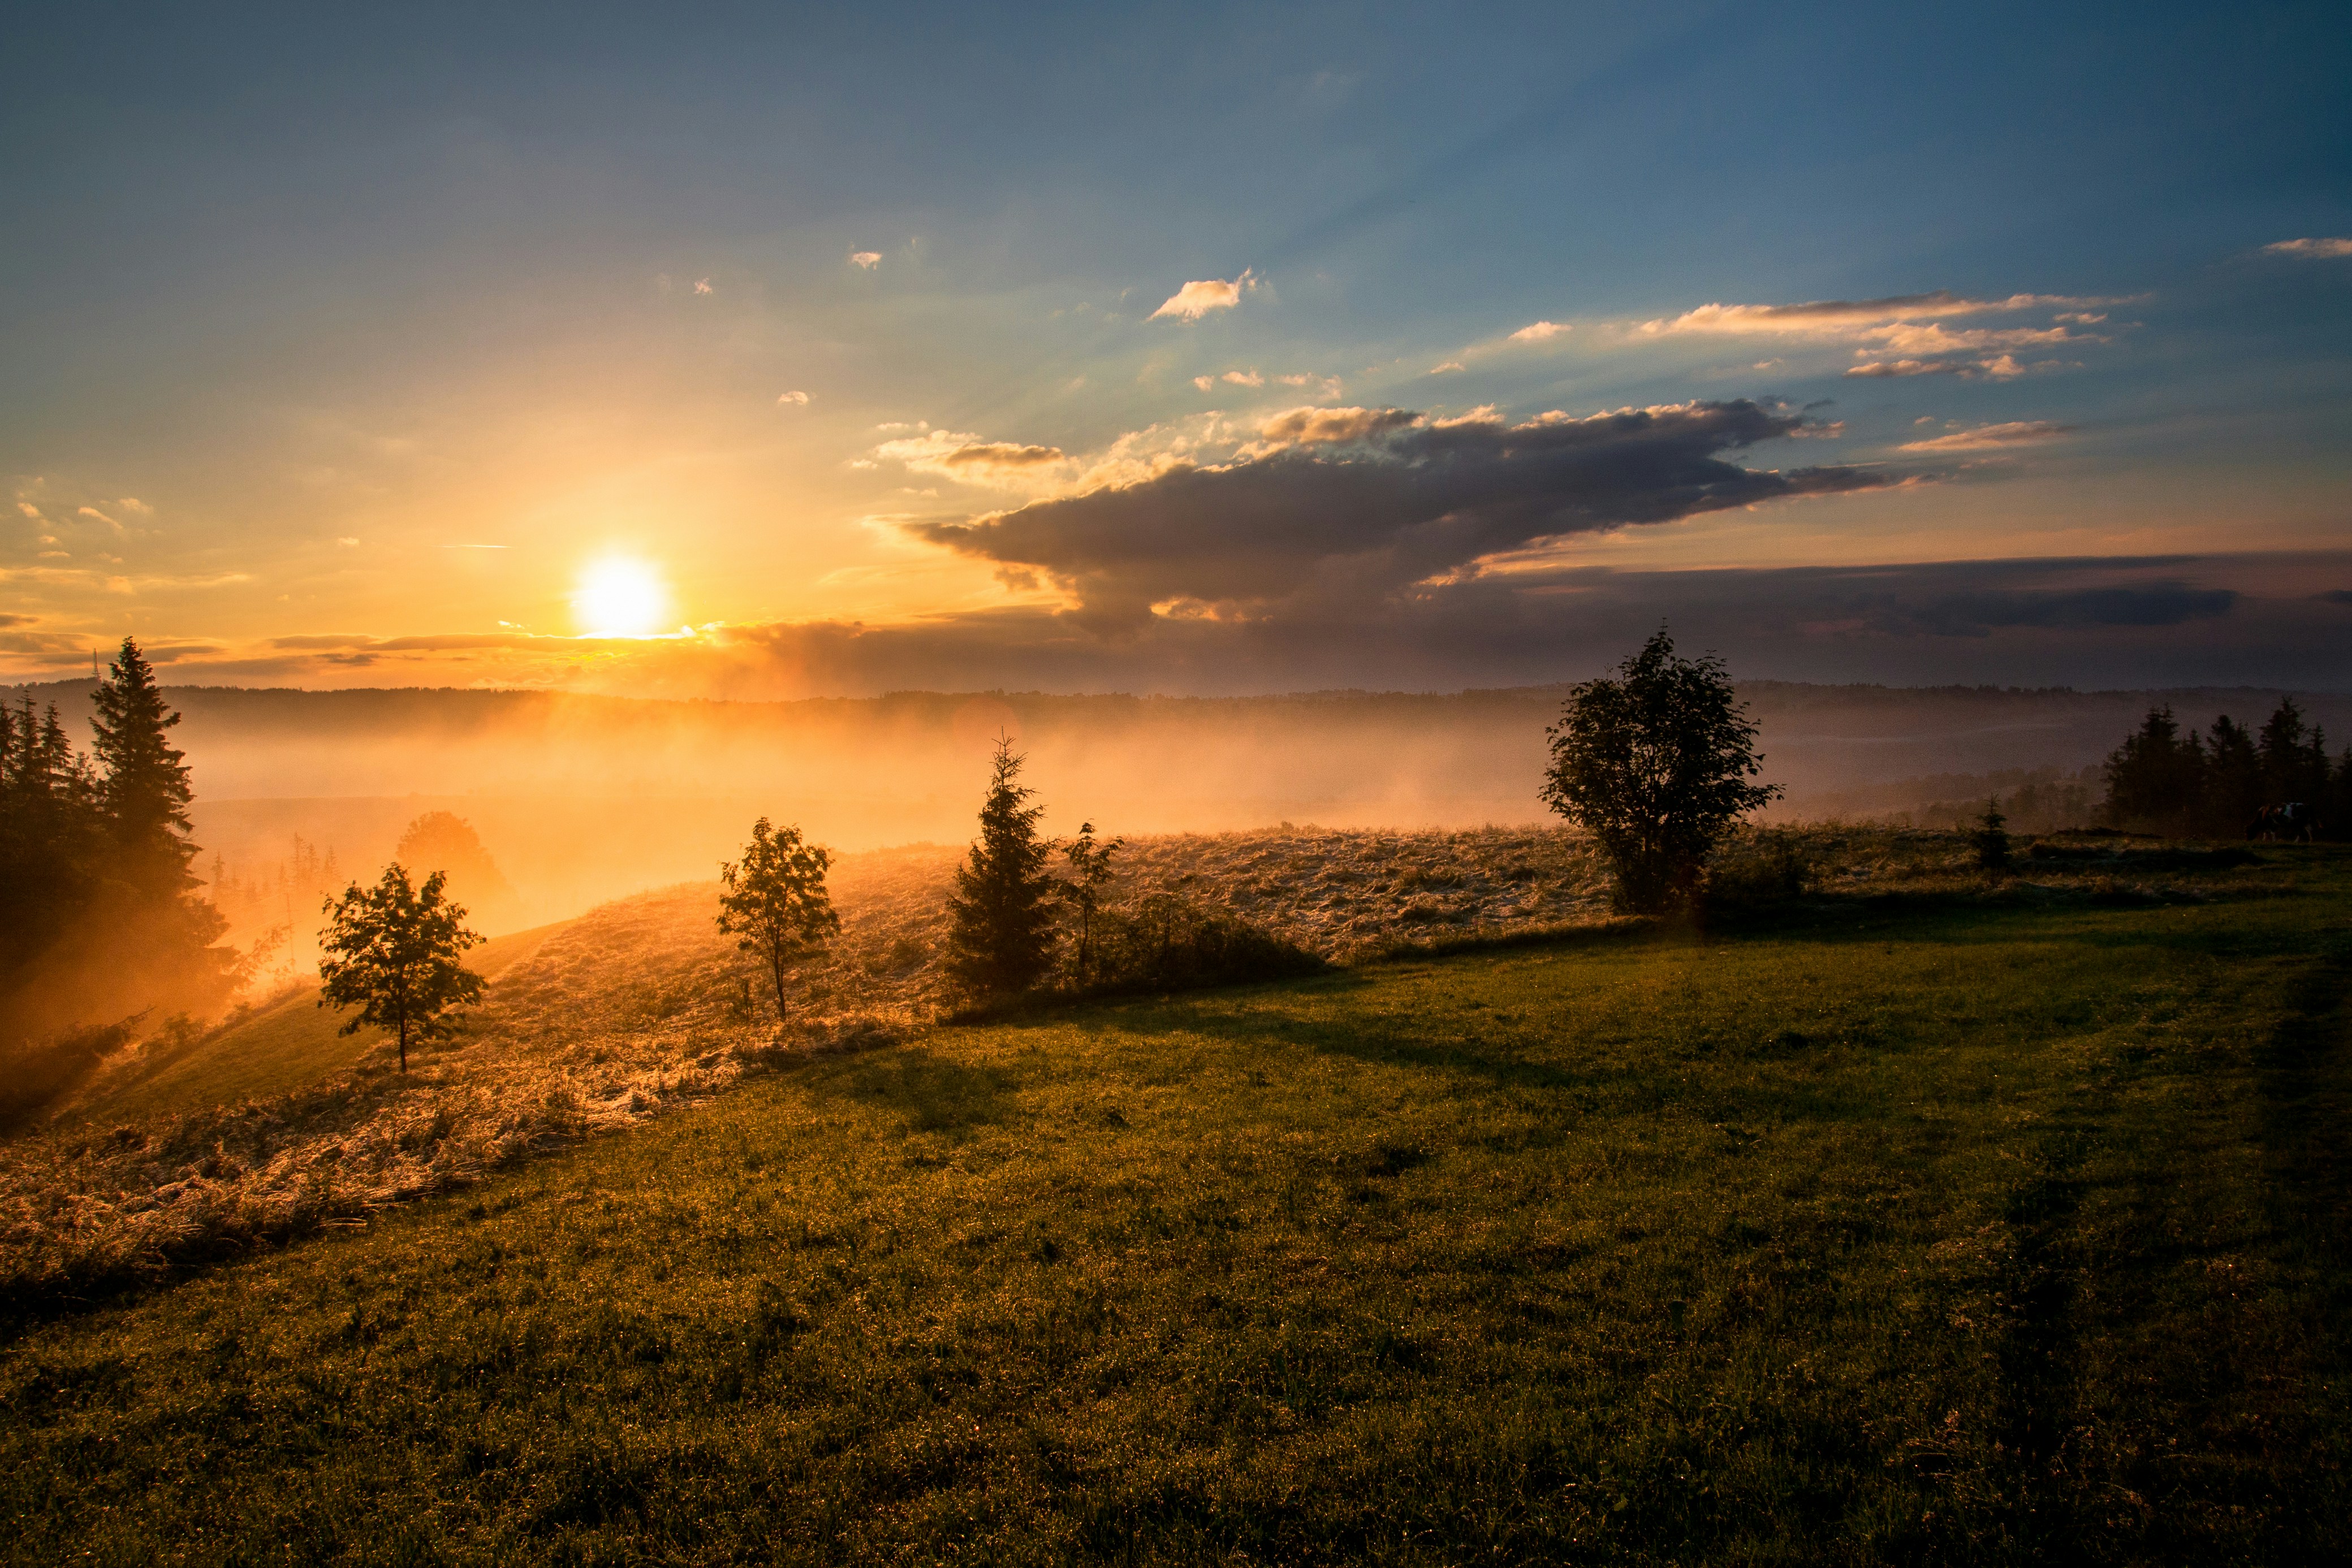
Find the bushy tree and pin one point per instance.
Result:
(1655, 765)
(1001, 941)
(443, 841)
(774, 900)
(1090, 874)
(393, 951)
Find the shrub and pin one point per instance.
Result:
(1163, 943)
(1758, 867)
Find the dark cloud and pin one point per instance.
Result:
(2335, 596)
(1354, 503)
(2108, 621)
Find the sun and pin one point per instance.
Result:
(620, 598)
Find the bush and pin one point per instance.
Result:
(1163, 943)
(1766, 866)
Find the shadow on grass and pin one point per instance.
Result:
(933, 1094)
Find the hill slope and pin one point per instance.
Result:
(1895, 1231)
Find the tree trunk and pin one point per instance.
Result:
(404, 1044)
(776, 970)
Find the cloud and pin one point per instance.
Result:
(1537, 332)
(101, 517)
(1206, 383)
(1357, 503)
(134, 504)
(793, 400)
(1992, 438)
(868, 259)
(1196, 300)
(1999, 367)
(1823, 315)
(1244, 378)
(702, 286)
(30, 510)
(1448, 367)
(347, 542)
(955, 454)
(2311, 248)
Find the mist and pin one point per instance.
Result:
(579, 800)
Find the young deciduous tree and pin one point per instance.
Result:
(1090, 873)
(1654, 764)
(774, 900)
(1002, 939)
(392, 951)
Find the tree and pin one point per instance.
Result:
(392, 951)
(1991, 840)
(1090, 871)
(144, 787)
(2233, 779)
(2157, 776)
(443, 841)
(1654, 764)
(774, 901)
(1003, 937)
(2295, 760)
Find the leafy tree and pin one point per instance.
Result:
(1654, 764)
(1002, 939)
(1090, 873)
(392, 950)
(1991, 840)
(443, 841)
(143, 790)
(774, 901)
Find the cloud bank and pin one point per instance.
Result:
(1354, 503)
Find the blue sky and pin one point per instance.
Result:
(361, 351)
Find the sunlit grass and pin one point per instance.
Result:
(1979, 1234)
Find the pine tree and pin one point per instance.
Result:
(1002, 939)
(2234, 779)
(144, 787)
(2156, 778)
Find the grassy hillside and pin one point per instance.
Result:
(287, 1045)
(1906, 1228)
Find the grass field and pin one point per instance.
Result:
(1895, 1230)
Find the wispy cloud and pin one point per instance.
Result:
(702, 286)
(1447, 368)
(957, 454)
(793, 400)
(1243, 378)
(1827, 315)
(133, 503)
(868, 259)
(2311, 248)
(1196, 299)
(1992, 438)
(1538, 332)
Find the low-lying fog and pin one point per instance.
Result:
(579, 800)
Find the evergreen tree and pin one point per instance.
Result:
(1001, 941)
(1991, 839)
(2156, 778)
(2234, 779)
(2295, 758)
(143, 783)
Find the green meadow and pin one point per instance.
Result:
(1891, 1230)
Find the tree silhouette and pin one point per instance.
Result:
(1002, 939)
(143, 785)
(775, 901)
(1090, 873)
(392, 950)
(1654, 764)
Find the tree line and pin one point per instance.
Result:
(2230, 782)
(98, 912)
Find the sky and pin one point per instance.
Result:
(775, 352)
